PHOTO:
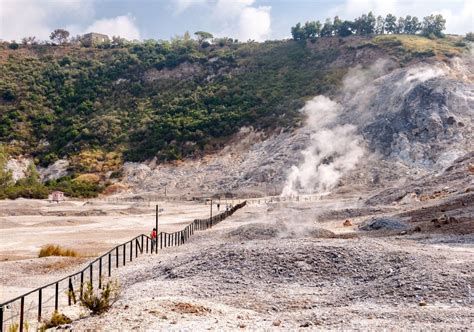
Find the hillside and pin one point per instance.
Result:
(172, 100)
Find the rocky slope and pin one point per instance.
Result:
(409, 122)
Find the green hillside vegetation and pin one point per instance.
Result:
(133, 101)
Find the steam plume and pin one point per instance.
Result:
(333, 150)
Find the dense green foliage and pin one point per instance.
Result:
(432, 26)
(28, 187)
(75, 188)
(162, 99)
(32, 187)
(134, 101)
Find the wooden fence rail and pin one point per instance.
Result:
(41, 302)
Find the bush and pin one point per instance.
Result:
(37, 191)
(469, 36)
(8, 95)
(101, 300)
(14, 45)
(74, 188)
(55, 250)
(56, 319)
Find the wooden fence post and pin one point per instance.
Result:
(40, 303)
(110, 264)
(22, 313)
(100, 272)
(56, 297)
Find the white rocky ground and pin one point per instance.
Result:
(273, 267)
(88, 227)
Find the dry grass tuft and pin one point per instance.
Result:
(88, 178)
(57, 319)
(55, 250)
(189, 308)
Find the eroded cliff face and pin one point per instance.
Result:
(412, 121)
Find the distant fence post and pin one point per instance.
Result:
(117, 256)
(110, 264)
(156, 226)
(90, 273)
(100, 272)
(210, 220)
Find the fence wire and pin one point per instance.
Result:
(30, 310)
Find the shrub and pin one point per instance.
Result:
(74, 188)
(101, 300)
(469, 36)
(56, 319)
(14, 45)
(13, 327)
(54, 250)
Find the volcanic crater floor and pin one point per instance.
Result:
(261, 269)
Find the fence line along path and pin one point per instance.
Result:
(34, 306)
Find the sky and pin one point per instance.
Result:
(241, 19)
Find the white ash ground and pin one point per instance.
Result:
(90, 228)
(269, 279)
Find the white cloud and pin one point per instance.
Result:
(459, 14)
(235, 18)
(123, 26)
(182, 5)
(22, 18)
(254, 23)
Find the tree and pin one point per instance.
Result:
(336, 24)
(118, 41)
(297, 32)
(311, 30)
(203, 36)
(469, 36)
(380, 25)
(345, 29)
(412, 25)
(5, 175)
(433, 25)
(29, 40)
(365, 25)
(60, 36)
(13, 45)
(401, 25)
(327, 29)
(76, 40)
(390, 24)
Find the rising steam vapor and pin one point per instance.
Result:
(333, 150)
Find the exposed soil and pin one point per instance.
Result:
(252, 271)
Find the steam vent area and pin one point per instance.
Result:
(265, 175)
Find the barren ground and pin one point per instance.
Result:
(88, 227)
(281, 265)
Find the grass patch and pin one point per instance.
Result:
(55, 250)
(419, 46)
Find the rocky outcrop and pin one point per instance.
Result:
(415, 121)
(55, 171)
(18, 167)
